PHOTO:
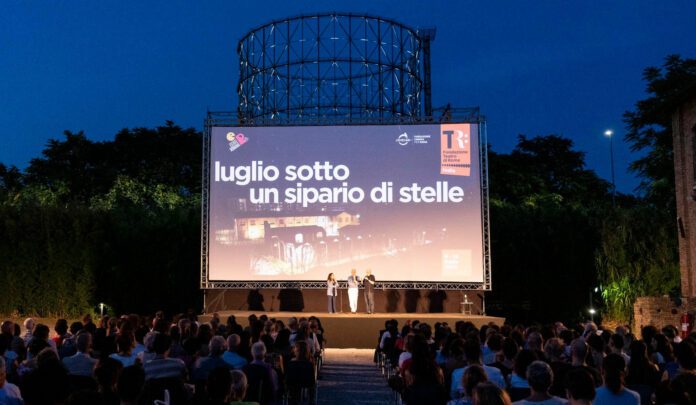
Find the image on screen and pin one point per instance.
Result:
(297, 203)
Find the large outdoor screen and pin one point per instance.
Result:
(297, 203)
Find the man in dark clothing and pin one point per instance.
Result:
(369, 285)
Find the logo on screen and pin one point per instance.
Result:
(403, 139)
(455, 157)
(236, 140)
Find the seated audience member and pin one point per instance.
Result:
(139, 335)
(231, 356)
(129, 386)
(204, 365)
(493, 347)
(300, 372)
(9, 393)
(540, 378)
(406, 354)
(580, 387)
(535, 343)
(41, 332)
(490, 394)
(29, 365)
(106, 373)
(219, 386)
(81, 363)
(578, 354)
(69, 346)
(680, 390)
(614, 391)
(48, 383)
(506, 357)
(518, 378)
(239, 389)
(472, 352)
(555, 354)
(261, 377)
(61, 329)
(149, 353)
(425, 382)
(164, 373)
(686, 357)
(641, 371)
(162, 366)
(473, 376)
(124, 342)
(596, 353)
(29, 324)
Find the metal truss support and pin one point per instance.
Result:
(448, 114)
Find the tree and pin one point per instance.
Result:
(545, 218)
(650, 129)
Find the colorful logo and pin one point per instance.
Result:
(236, 140)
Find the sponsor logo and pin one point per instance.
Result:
(403, 139)
(455, 150)
(236, 140)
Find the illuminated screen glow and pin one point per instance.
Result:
(297, 203)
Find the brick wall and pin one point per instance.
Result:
(683, 131)
(659, 311)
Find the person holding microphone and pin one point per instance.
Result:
(368, 283)
(331, 288)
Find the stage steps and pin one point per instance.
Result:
(349, 376)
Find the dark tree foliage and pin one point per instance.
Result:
(546, 211)
(650, 129)
(80, 169)
(114, 222)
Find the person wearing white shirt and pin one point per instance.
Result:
(353, 285)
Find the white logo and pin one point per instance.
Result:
(403, 139)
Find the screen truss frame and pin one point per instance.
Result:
(461, 115)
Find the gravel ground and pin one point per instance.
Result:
(349, 376)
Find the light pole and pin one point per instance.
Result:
(610, 134)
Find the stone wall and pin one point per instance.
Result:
(660, 312)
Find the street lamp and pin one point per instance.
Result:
(610, 134)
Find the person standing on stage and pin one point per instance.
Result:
(331, 287)
(368, 283)
(353, 284)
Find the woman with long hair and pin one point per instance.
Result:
(614, 390)
(331, 289)
(425, 382)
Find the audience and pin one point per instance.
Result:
(132, 360)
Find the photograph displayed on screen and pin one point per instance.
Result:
(298, 203)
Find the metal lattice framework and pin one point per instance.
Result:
(447, 114)
(337, 65)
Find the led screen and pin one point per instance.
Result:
(297, 203)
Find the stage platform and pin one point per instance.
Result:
(346, 330)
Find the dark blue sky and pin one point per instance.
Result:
(570, 68)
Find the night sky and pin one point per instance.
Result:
(534, 68)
